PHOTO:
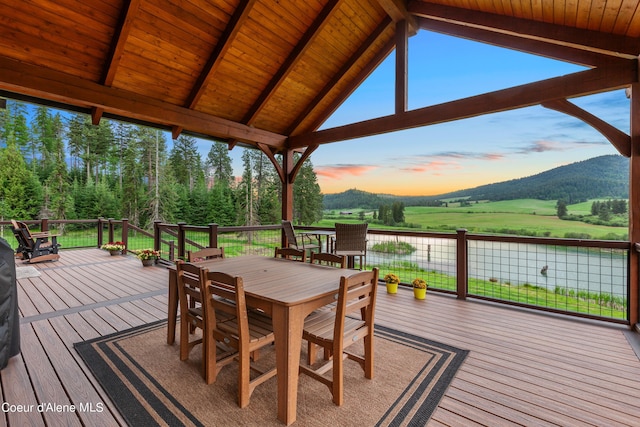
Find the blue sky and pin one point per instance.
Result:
(463, 154)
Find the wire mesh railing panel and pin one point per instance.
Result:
(410, 256)
(572, 279)
(250, 241)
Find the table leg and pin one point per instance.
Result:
(172, 307)
(287, 328)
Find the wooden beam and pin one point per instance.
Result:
(296, 54)
(402, 66)
(267, 151)
(39, 82)
(509, 41)
(96, 115)
(397, 11)
(123, 28)
(620, 140)
(236, 22)
(594, 41)
(634, 207)
(366, 70)
(577, 84)
(305, 155)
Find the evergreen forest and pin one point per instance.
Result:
(59, 165)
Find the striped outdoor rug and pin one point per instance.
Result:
(150, 386)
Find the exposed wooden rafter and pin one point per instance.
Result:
(48, 84)
(582, 83)
(368, 69)
(120, 35)
(298, 52)
(509, 41)
(594, 41)
(397, 10)
(240, 15)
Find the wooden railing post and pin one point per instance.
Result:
(125, 233)
(462, 260)
(213, 235)
(100, 232)
(181, 240)
(110, 230)
(156, 235)
(172, 250)
(44, 224)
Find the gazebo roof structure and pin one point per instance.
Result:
(268, 73)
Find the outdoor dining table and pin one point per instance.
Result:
(287, 291)
(318, 235)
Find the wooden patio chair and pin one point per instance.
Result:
(305, 243)
(335, 331)
(190, 281)
(351, 241)
(35, 247)
(291, 254)
(205, 254)
(245, 331)
(325, 258)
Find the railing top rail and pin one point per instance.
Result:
(587, 243)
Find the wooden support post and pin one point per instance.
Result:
(461, 264)
(402, 53)
(634, 207)
(287, 191)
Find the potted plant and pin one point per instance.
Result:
(392, 283)
(114, 248)
(147, 256)
(419, 288)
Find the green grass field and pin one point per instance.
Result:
(521, 217)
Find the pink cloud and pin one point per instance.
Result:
(432, 167)
(339, 171)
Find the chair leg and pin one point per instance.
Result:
(368, 357)
(337, 384)
(311, 353)
(244, 372)
(184, 339)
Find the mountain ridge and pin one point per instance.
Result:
(598, 177)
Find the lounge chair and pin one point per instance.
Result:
(35, 247)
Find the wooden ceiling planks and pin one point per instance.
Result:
(276, 65)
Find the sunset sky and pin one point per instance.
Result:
(463, 154)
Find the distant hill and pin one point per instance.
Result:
(600, 177)
(604, 176)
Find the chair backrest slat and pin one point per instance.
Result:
(357, 293)
(205, 253)
(326, 258)
(351, 237)
(289, 233)
(291, 253)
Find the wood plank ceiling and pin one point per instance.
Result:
(269, 72)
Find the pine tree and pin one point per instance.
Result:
(219, 161)
(307, 197)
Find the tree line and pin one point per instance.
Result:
(64, 167)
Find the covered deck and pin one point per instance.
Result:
(524, 367)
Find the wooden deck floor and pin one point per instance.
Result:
(524, 368)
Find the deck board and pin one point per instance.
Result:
(524, 368)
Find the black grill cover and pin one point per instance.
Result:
(9, 320)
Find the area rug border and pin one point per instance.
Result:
(414, 406)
